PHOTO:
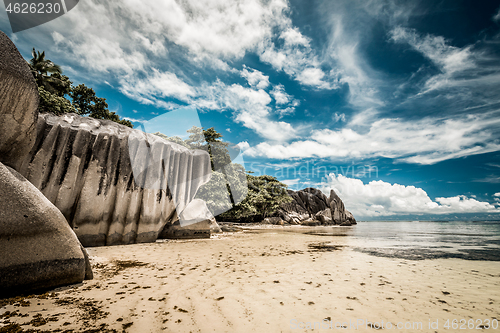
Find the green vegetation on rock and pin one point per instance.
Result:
(53, 87)
(264, 194)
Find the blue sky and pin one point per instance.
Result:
(394, 104)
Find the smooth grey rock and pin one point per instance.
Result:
(84, 167)
(311, 222)
(18, 105)
(214, 226)
(89, 274)
(350, 218)
(340, 214)
(39, 249)
(195, 211)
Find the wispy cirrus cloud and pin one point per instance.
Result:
(426, 141)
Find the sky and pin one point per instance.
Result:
(393, 104)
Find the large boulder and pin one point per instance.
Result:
(39, 249)
(114, 184)
(324, 216)
(18, 105)
(311, 207)
(195, 221)
(340, 215)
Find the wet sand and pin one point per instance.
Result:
(261, 281)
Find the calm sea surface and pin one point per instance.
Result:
(422, 240)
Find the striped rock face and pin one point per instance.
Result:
(18, 105)
(114, 185)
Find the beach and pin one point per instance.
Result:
(270, 280)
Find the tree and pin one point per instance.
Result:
(46, 73)
(210, 141)
(87, 103)
(264, 194)
(53, 87)
(53, 103)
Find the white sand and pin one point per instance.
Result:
(263, 282)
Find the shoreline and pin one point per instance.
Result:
(259, 280)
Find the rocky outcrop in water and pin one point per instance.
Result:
(310, 206)
(114, 185)
(38, 248)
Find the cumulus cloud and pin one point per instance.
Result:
(379, 198)
(208, 30)
(279, 95)
(297, 59)
(254, 113)
(155, 86)
(255, 78)
(425, 141)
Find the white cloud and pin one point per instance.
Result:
(285, 111)
(156, 86)
(100, 54)
(250, 107)
(339, 117)
(496, 17)
(292, 182)
(208, 29)
(496, 194)
(448, 58)
(425, 141)
(243, 145)
(255, 78)
(312, 77)
(379, 198)
(453, 62)
(292, 36)
(279, 95)
(348, 63)
(297, 59)
(135, 120)
(254, 113)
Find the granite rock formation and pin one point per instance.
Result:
(310, 206)
(196, 221)
(18, 105)
(114, 185)
(39, 249)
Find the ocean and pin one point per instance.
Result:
(470, 240)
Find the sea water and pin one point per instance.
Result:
(471, 240)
